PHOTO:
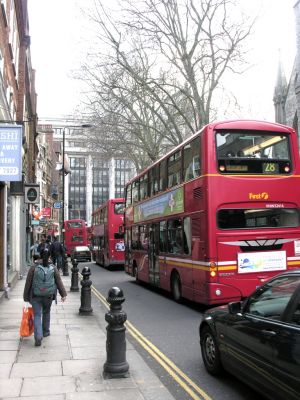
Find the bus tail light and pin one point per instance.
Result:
(213, 269)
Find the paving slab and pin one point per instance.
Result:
(44, 386)
(36, 369)
(10, 387)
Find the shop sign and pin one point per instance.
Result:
(11, 153)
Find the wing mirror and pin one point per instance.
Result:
(235, 308)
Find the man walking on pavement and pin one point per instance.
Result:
(57, 253)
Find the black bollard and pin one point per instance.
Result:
(65, 266)
(116, 365)
(74, 278)
(86, 297)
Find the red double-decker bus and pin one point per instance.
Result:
(107, 233)
(76, 234)
(218, 215)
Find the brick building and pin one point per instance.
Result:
(17, 106)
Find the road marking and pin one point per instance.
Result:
(179, 376)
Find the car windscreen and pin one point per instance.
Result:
(257, 218)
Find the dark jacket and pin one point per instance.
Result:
(56, 249)
(27, 294)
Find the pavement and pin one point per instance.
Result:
(69, 363)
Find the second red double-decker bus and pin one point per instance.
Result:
(218, 215)
(76, 234)
(107, 233)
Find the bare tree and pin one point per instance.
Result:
(163, 63)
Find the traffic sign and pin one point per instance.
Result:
(57, 204)
(39, 229)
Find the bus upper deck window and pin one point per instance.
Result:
(128, 195)
(253, 152)
(174, 169)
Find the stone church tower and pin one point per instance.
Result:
(287, 96)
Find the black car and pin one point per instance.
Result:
(81, 253)
(258, 339)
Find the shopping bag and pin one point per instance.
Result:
(27, 326)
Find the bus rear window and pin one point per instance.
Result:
(75, 224)
(257, 218)
(247, 152)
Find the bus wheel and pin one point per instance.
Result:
(135, 272)
(176, 287)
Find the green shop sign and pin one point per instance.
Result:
(167, 204)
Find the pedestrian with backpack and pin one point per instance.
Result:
(42, 282)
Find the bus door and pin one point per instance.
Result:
(153, 254)
(198, 251)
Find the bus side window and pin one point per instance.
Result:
(128, 196)
(187, 237)
(163, 236)
(174, 169)
(175, 236)
(191, 160)
(143, 193)
(134, 238)
(153, 180)
(163, 176)
(135, 191)
(143, 242)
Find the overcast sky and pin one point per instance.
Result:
(58, 43)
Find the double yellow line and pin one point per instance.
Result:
(193, 390)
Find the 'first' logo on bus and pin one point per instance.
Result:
(259, 196)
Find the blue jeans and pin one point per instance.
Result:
(58, 261)
(41, 309)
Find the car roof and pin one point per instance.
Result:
(290, 272)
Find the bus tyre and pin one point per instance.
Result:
(176, 287)
(102, 261)
(135, 272)
(210, 351)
